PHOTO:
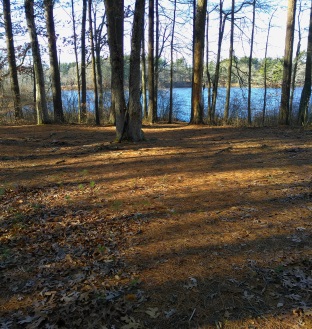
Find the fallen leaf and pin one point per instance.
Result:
(170, 313)
(153, 312)
(192, 283)
(130, 323)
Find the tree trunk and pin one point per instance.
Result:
(41, 104)
(198, 59)
(98, 43)
(295, 64)
(284, 118)
(171, 62)
(12, 60)
(95, 86)
(265, 68)
(306, 91)
(54, 65)
(250, 61)
(217, 70)
(115, 29)
(152, 111)
(229, 76)
(134, 127)
(83, 114)
(157, 56)
(99, 79)
(76, 59)
(207, 72)
(193, 48)
(144, 93)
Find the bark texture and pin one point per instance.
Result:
(83, 113)
(229, 77)
(11, 59)
(54, 66)
(41, 104)
(306, 91)
(284, 117)
(134, 128)
(198, 59)
(152, 111)
(115, 28)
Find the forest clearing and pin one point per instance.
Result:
(195, 227)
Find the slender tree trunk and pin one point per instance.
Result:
(83, 115)
(217, 70)
(152, 115)
(265, 68)
(207, 72)
(76, 59)
(54, 67)
(41, 104)
(99, 80)
(171, 62)
(157, 56)
(12, 60)
(98, 36)
(229, 77)
(197, 98)
(250, 61)
(193, 65)
(306, 91)
(144, 92)
(295, 64)
(115, 28)
(95, 86)
(134, 127)
(284, 118)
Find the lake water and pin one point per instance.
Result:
(182, 101)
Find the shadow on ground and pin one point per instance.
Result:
(193, 228)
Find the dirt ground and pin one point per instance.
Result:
(196, 227)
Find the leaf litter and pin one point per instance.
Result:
(99, 237)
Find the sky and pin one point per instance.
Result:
(184, 32)
(242, 45)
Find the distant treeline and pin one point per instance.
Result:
(183, 72)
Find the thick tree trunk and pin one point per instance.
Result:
(12, 60)
(115, 28)
(134, 128)
(306, 91)
(41, 104)
(197, 94)
(54, 66)
(83, 114)
(284, 118)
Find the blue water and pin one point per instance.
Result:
(182, 101)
